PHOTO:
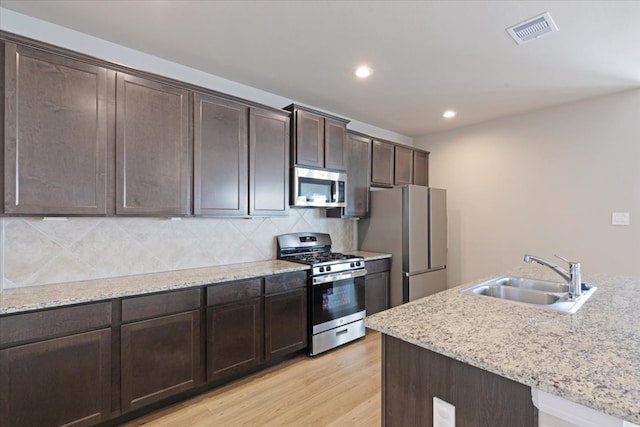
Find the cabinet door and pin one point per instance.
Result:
(62, 381)
(234, 338)
(285, 323)
(334, 151)
(55, 149)
(421, 168)
(268, 163)
(382, 163)
(403, 166)
(376, 292)
(152, 148)
(358, 153)
(160, 358)
(221, 143)
(309, 139)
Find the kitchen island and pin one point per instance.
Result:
(591, 358)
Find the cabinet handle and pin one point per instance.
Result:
(342, 331)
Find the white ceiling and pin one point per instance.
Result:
(427, 56)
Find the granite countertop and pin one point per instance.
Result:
(48, 296)
(591, 357)
(369, 256)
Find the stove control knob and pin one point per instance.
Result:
(328, 268)
(322, 269)
(358, 263)
(352, 265)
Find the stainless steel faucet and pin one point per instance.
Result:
(573, 277)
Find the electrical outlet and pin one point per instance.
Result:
(620, 218)
(444, 413)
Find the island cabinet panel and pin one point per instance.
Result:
(413, 376)
(382, 163)
(55, 150)
(235, 328)
(403, 171)
(285, 304)
(152, 148)
(421, 168)
(221, 162)
(61, 381)
(268, 163)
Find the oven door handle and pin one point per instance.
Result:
(339, 276)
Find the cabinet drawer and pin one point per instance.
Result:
(56, 322)
(285, 282)
(377, 265)
(234, 291)
(160, 304)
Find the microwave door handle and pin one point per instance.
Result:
(334, 191)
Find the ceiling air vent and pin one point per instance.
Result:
(532, 28)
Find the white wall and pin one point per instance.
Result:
(545, 182)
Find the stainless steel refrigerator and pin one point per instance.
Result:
(410, 223)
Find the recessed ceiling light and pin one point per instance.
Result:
(363, 71)
(449, 114)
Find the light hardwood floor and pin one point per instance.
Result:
(339, 388)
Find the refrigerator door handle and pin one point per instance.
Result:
(428, 270)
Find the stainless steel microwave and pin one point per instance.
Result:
(318, 188)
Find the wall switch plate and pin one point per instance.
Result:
(620, 218)
(444, 413)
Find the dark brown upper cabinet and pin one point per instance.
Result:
(55, 133)
(382, 163)
(421, 168)
(221, 157)
(152, 148)
(268, 163)
(358, 155)
(403, 171)
(317, 138)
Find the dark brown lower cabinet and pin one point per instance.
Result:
(376, 292)
(61, 381)
(160, 358)
(234, 338)
(285, 323)
(412, 376)
(376, 285)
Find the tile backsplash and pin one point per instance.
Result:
(34, 251)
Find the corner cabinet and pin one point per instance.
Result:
(152, 148)
(317, 139)
(55, 367)
(55, 141)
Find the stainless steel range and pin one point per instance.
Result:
(336, 289)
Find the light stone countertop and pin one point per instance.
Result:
(369, 256)
(48, 296)
(591, 357)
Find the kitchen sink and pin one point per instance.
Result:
(536, 293)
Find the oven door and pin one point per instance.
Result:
(336, 300)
